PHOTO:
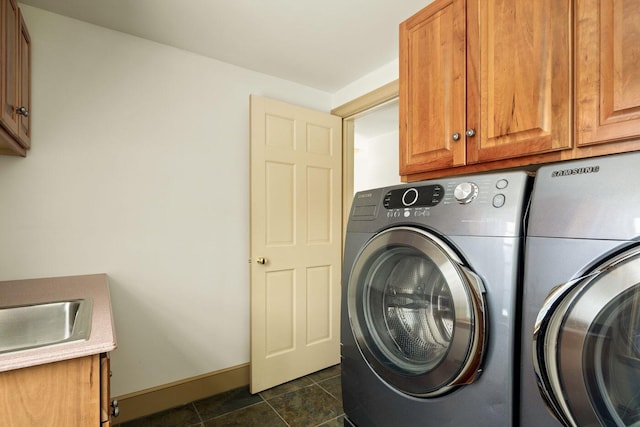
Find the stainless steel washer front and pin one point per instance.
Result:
(417, 312)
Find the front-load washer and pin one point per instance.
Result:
(581, 315)
(430, 302)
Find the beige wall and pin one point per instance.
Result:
(140, 169)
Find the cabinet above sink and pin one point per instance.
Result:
(15, 78)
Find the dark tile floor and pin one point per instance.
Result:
(314, 400)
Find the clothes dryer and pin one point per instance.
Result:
(581, 318)
(430, 302)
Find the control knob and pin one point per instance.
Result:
(410, 197)
(465, 192)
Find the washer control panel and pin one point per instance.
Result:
(490, 204)
(414, 197)
(482, 190)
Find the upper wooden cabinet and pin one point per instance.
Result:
(24, 95)
(518, 78)
(607, 72)
(15, 93)
(491, 84)
(432, 88)
(484, 80)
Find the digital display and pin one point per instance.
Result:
(426, 196)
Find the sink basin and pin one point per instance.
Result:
(31, 326)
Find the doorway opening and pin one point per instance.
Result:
(376, 141)
(374, 103)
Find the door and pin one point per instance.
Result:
(24, 89)
(296, 241)
(432, 88)
(10, 77)
(607, 77)
(587, 345)
(518, 79)
(417, 312)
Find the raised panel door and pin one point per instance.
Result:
(432, 88)
(296, 241)
(519, 55)
(65, 393)
(607, 71)
(24, 88)
(9, 73)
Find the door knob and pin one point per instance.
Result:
(261, 260)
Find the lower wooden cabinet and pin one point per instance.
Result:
(69, 393)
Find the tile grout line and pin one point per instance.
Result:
(332, 419)
(233, 411)
(327, 379)
(198, 413)
(312, 382)
(277, 413)
(327, 391)
(290, 391)
(336, 398)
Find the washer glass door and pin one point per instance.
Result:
(587, 346)
(417, 312)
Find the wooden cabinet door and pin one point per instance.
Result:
(519, 78)
(65, 393)
(9, 71)
(607, 71)
(432, 88)
(24, 88)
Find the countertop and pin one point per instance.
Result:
(34, 291)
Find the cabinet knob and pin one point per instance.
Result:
(261, 260)
(22, 111)
(455, 136)
(115, 410)
(470, 132)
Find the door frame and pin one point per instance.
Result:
(349, 111)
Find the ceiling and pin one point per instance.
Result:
(324, 44)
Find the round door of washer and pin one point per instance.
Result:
(417, 312)
(587, 346)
